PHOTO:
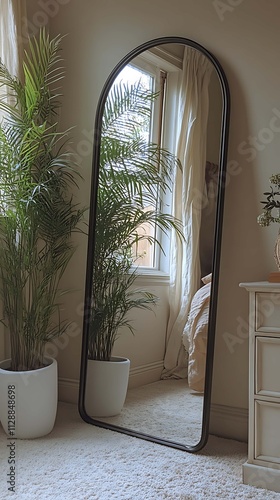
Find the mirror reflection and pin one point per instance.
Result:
(156, 214)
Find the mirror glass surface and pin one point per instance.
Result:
(168, 398)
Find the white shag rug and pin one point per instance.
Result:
(168, 409)
(79, 461)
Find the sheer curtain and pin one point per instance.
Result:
(187, 204)
(11, 15)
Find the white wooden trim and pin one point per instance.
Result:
(151, 278)
(229, 422)
(261, 477)
(145, 374)
(68, 390)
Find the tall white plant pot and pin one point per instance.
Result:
(28, 400)
(106, 386)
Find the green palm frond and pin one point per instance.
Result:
(125, 105)
(38, 211)
(40, 98)
(112, 300)
(133, 177)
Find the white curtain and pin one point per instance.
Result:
(11, 17)
(187, 204)
(12, 13)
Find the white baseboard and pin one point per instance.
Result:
(145, 374)
(229, 422)
(68, 389)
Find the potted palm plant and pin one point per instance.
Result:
(134, 174)
(38, 216)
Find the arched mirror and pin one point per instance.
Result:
(155, 229)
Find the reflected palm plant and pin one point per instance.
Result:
(134, 176)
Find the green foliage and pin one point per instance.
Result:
(134, 174)
(38, 213)
(271, 204)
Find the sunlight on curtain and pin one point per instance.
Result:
(187, 204)
(11, 15)
(11, 46)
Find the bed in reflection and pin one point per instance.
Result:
(195, 335)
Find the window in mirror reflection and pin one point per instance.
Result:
(150, 80)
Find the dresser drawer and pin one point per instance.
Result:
(267, 431)
(267, 377)
(267, 312)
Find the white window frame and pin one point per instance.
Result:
(154, 62)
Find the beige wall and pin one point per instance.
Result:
(245, 38)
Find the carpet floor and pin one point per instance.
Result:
(168, 409)
(79, 461)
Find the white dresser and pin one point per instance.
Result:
(263, 466)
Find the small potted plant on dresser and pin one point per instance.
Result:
(132, 172)
(271, 214)
(38, 216)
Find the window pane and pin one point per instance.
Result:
(143, 250)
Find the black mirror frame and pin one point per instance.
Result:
(217, 245)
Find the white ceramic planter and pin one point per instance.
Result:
(106, 386)
(28, 400)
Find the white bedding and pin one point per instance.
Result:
(195, 335)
